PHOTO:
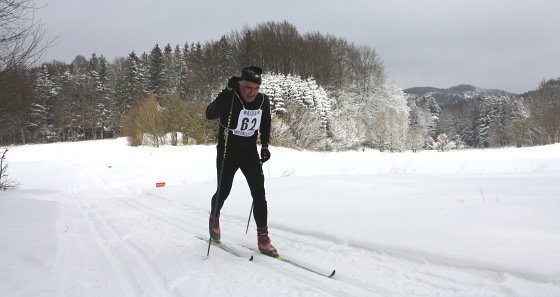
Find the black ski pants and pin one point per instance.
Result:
(246, 159)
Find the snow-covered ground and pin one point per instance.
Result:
(88, 220)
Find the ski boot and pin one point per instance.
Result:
(265, 246)
(214, 228)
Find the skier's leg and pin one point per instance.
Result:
(224, 187)
(225, 183)
(252, 169)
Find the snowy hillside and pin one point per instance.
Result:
(454, 94)
(88, 220)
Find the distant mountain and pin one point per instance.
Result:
(453, 94)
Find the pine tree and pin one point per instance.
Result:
(180, 72)
(156, 72)
(41, 125)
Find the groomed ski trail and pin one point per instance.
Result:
(144, 244)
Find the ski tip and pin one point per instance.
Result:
(332, 274)
(251, 259)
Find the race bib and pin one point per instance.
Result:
(248, 123)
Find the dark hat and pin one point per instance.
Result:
(252, 74)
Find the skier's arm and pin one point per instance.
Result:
(215, 108)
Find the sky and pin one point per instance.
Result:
(511, 45)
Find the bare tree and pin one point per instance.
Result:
(145, 119)
(22, 37)
(186, 117)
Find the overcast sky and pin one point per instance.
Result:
(500, 44)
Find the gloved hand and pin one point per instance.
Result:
(233, 83)
(265, 153)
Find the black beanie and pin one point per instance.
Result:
(252, 74)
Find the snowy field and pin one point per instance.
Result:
(88, 220)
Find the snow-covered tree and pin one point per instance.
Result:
(130, 82)
(492, 121)
(425, 113)
(156, 72)
(385, 113)
(444, 143)
(68, 112)
(179, 72)
(301, 105)
(101, 96)
(545, 109)
(41, 124)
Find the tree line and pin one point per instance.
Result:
(94, 99)
(326, 93)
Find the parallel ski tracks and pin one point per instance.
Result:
(133, 271)
(138, 275)
(297, 274)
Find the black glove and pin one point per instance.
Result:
(265, 153)
(232, 83)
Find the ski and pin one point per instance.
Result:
(294, 263)
(224, 247)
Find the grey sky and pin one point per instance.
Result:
(504, 44)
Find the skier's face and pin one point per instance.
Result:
(248, 90)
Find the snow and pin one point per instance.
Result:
(88, 220)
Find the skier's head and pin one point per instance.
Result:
(252, 74)
(250, 83)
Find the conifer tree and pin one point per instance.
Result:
(156, 72)
(41, 123)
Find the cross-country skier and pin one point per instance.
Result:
(244, 112)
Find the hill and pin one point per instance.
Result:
(453, 94)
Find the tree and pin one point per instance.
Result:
(443, 143)
(22, 37)
(385, 113)
(546, 111)
(156, 72)
(425, 113)
(41, 112)
(144, 120)
(416, 138)
(459, 119)
(128, 84)
(196, 126)
(302, 107)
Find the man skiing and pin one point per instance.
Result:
(243, 113)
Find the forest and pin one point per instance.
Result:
(326, 94)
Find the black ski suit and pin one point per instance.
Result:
(241, 150)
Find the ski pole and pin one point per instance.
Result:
(249, 220)
(226, 131)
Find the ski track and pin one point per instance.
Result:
(113, 218)
(370, 270)
(295, 274)
(130, 266)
